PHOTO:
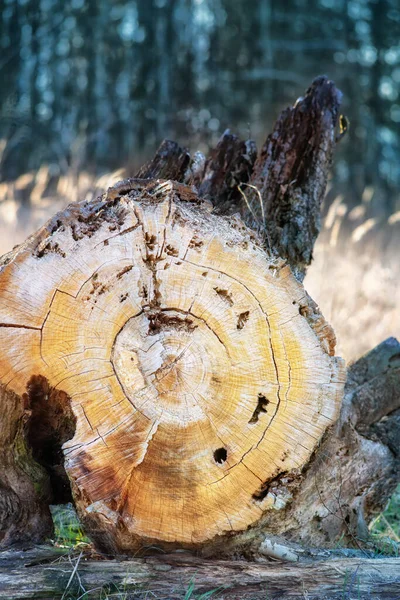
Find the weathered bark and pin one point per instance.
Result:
(181, 366)
(357, 466)
(170, 162)
(33, 428)
(25, 492)
(291, 172)
(278, 193)
(227, 168)
(42, 574)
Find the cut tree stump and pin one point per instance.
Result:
(162, 365)
(178, 357)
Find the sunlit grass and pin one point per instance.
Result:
(27, 202)
(385, 528)
(68, 532)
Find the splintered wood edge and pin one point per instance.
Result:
(196, 365)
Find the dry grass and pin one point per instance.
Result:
(27, 202)
(356, 282)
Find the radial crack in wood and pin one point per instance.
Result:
(194, 378)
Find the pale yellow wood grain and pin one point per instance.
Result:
(165, 338)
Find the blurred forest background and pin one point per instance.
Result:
(90, 88)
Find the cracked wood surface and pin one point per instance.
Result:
(44, 573)
(355, 469)
(196, 367)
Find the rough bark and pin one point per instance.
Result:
(170, 162)
(291, 172)
(33, 427)
(25, 492)
(43, 574)
(228, 166)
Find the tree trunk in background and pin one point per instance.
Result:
(162, 358)
(80, 95)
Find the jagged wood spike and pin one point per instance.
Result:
(169, 162)
(291, 172)
(229, 165)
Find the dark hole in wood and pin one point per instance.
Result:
(262, 403)
(51, 423)
(220, 455)
(242, 319)
(160, 321)
(225, 295)
(268, 486)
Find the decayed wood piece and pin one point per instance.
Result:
(24, 513)
(170, 162)
(185, 353)
(228, 166)
(30, 575)
(290, 174)
(164, 348)
(217, 178)
(279, 192)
